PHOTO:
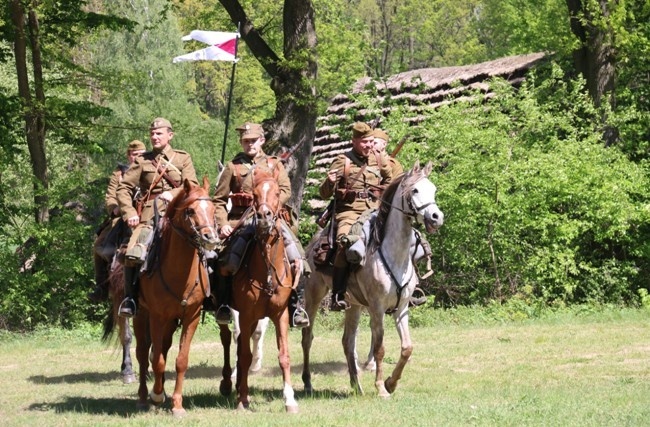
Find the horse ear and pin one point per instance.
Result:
(206, 183)
(427, 169)
(187, 185)
(416, 167)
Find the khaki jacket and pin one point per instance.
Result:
(110, 198)
(396, 166)
(142, 174)
(377, 172)
(237, 178)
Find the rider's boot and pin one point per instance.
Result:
(223, 315)
(298, 316)
(128, 306)
(208, 302)
(100, 293)
(339, 284)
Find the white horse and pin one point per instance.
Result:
(384, 283)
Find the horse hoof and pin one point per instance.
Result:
(128, 379)
(179, 413)
(390, 385)
(157, 399)
(243, 406)
(225, 388)
(291, 409)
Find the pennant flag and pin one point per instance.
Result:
(223, 46)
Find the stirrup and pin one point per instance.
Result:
(223, 315)
(125, 310)
(300, 318)
(418, 297)
(338, 304)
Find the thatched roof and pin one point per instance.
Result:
(418, 91)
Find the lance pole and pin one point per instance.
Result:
(232, 84)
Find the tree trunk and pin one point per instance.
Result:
(595, 59)
(293, 80)
(33, 109)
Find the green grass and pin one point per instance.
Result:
(588, 367)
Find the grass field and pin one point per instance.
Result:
(571, 369)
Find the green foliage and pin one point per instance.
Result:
(534, 200)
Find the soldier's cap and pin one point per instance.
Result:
(136, 145)
(250, 131)
(378, 133)
(160, 122)
(361, 130)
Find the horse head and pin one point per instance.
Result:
(421, 198)
(192, 214)
(266, 200)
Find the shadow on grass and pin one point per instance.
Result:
(127, 407)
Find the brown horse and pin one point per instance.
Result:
(262, 287)
(172, 293)
(116, 295)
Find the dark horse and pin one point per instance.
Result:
(172, 293)
(262, 287)
(116, 295)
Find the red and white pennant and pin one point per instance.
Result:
(223, 46)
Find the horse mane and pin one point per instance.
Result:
(182, 201)
(379, 228)
(261, 175)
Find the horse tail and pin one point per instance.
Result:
(108, 324)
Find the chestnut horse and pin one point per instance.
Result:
(172, 293)
(262, 287)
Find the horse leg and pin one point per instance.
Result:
(282, 338)
(142, 355)
(402, 324)
(158, 360)
(377, 330)
(225, 386)
(315, 290)
(235, 333)
(370, 364)
(352, 316)
(126, 338)
(258, 344)
(182, 360)
(244, 359)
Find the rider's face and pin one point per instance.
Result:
(363, 146)
(252, 146)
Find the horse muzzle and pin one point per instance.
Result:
(433, 221)
(209, 240)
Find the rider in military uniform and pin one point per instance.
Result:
(156, 177)
(236, 184)
(381, 140)
(103, 260)
(354, 179)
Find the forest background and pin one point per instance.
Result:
(545, 187)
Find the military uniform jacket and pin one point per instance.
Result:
(237, 178)
(396, 166)
(110, 198)
(142, 174)
(377, 172)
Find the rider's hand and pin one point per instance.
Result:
(133, 221)
(166, 196)
(225, 231)
(333, 175)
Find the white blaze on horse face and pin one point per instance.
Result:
(423, 201)
(204, 215)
